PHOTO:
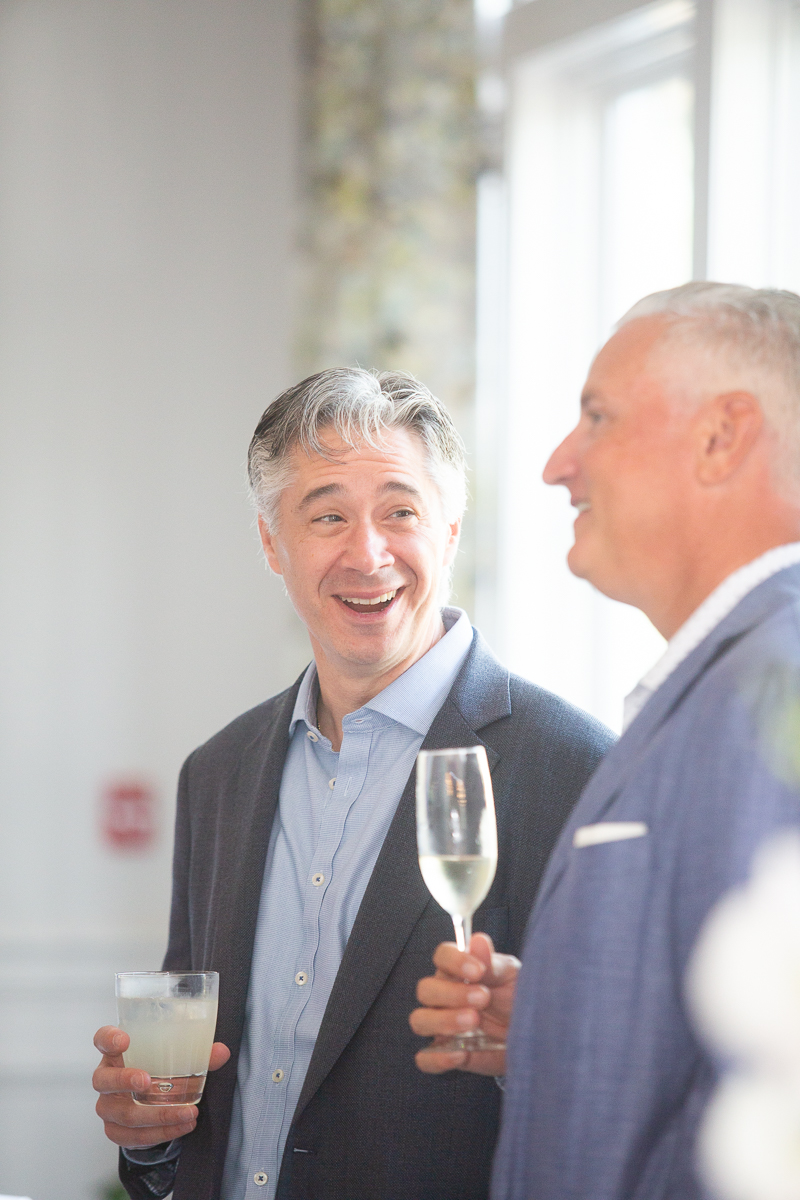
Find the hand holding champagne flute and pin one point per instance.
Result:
(457, 843)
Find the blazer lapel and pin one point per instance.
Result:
(396, 894)
(247, 813)
(624, 757)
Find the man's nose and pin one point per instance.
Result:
(367, 549)
(562, 465)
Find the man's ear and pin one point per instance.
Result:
(268, 542)
(727, 429)
(452, 541)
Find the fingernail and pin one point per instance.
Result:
(472, 970)
(465, 1020)
(476, 996)
(116, 1041)
(140, 1082)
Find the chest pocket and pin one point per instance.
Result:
(494, 921)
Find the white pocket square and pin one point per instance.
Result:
(607, 831)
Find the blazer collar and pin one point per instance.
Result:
(625, 756)
(396, 894)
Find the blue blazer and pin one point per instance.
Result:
(607, 1079)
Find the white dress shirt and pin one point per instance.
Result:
(704, 619)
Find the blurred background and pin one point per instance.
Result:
(200, 202)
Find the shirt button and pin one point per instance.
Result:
(331, 783)
(312, 737)
(318, 879)
(277, 1076)
(301, 977)
(259, 1179)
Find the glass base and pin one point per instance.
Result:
(172, 1089)
(471, 1039)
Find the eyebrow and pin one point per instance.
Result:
(328, 489)
(336, 489)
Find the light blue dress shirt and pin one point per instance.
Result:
(334, 811)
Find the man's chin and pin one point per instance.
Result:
(577, 562)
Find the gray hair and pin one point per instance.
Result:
(360, 407)
(757, 330)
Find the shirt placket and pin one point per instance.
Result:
(348, 771)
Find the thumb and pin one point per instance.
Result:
(482, 948)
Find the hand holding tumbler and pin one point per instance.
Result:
(170, 1018)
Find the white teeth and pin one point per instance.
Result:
(583, 506)
(377, 600)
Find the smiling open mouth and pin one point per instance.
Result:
(374, 605)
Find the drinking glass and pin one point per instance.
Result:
(170, 1017)
(457, 843)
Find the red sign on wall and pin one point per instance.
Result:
(128, 815)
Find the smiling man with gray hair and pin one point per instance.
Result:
(684, 468)
(295, 872)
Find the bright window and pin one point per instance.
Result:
(631, 165)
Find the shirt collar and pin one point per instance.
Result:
(415, 697)
(705, 619)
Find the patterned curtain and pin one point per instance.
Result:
(388, 227)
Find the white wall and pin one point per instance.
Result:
(146, 192)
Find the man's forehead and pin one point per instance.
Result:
(339, 489)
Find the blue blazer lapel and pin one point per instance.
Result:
(396, 894)
(624, 757)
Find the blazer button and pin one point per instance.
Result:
(260, 1178)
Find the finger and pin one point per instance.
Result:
(121, 1110)
(499, 968)
(434, 1022)
(140, 1139)
(504, 969)
(456, 964)
(120, 1079)
(435, 1062)
(479, 1062)
(111, 1041)
(219, 1056)
(445, 993)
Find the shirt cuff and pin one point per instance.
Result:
(151, 1156)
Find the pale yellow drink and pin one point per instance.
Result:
(171, 1034)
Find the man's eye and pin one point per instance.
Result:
(329, 518)
(404, 512)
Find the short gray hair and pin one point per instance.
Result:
(754, 329)
(360, 407)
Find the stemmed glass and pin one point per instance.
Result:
(457, 843)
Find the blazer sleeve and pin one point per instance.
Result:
(179, 950)
(152, 1181)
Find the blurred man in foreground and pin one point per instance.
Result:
(685, 470)
(296, 873)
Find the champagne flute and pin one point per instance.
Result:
(457, 843)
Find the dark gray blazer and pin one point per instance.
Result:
(368, 1125)
(607, 1079)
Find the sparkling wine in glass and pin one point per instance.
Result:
(457, 843)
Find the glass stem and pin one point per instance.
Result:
(463, 928)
